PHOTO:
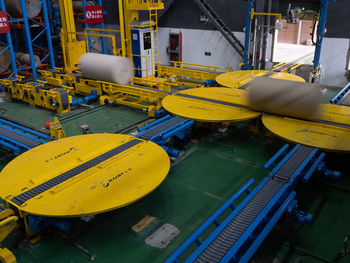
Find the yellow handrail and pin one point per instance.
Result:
(86, 34)
(180, 64)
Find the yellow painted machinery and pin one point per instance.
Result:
(141, 97)
(56, 99)
(190, 74)
(71, 46)
(330, 130)
(134, 96)
(8, 224)
(242, 79)
(56, 129)
(78, 84)
(83, 175)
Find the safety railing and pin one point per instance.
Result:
(187, 65)
(144, 4)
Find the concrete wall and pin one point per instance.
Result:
(196, 42)
(333, 59)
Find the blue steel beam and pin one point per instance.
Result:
(9, 44)
(246, 65)
(104, 50)
(320, 35)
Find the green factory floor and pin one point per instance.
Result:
(213, 166)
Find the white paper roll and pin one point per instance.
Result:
(14, 7)
(285, 97)
(24, 58)
(106, 68)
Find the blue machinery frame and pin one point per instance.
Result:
(30, 39)
(320, 35)
(246, 64)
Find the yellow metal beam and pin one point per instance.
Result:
(253, 13)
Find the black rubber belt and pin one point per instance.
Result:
(332, 123)
(218, 248)
(250, 82)
(285, 172)
(148, 135)
(18, 137)
(20, 199)
(211, 100)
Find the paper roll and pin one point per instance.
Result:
(106, 68)
(285, 98)
(24, 58)
(13, 7)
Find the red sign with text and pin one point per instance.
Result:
(93, 14)
(4, 23)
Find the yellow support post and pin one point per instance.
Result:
(122, 27)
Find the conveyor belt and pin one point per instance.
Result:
(44, 134)
(250, 82)
(233, 231)
(149, 134)
(285, 172)
(20, 199)
(18, 137)
(211, 100)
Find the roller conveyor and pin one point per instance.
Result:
(241, 233)
(284, 173)
(19, 138)
(219, 247)
(161, 128)
(25, 141)
(165, 128)
(20, 199)
(108, 171)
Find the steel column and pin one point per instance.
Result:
(250, 4)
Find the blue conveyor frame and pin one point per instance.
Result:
(245, 247)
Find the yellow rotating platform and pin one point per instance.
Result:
(330, 132)
(210, 105)
(241, 79)
(83, 175)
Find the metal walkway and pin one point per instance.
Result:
(221, 26)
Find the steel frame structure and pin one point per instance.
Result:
(30, 39)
